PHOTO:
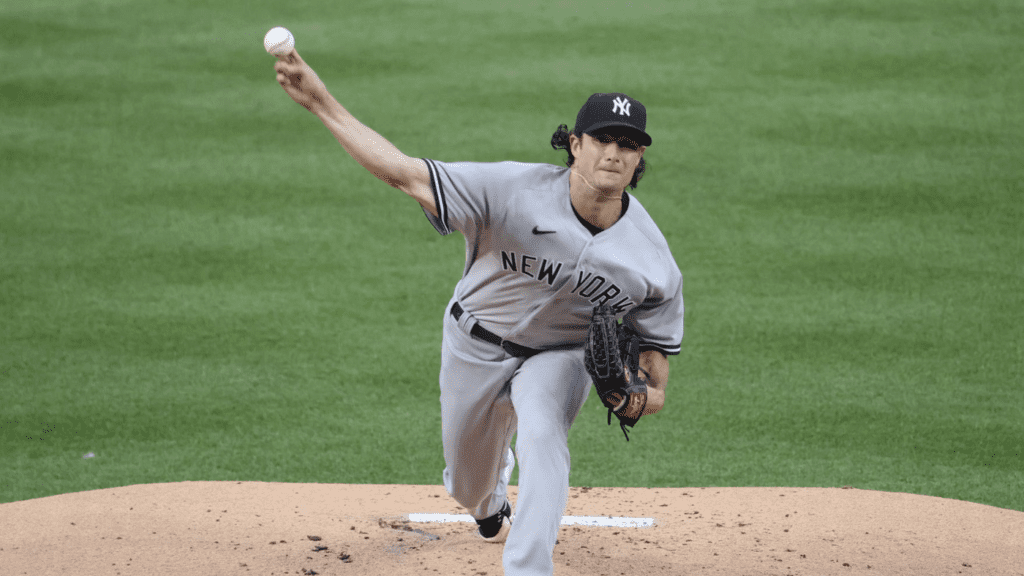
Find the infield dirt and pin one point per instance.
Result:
(273, 528)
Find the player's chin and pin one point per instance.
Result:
(611, 181)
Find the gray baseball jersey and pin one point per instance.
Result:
(534, 272)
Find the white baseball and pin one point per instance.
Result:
(279, 41)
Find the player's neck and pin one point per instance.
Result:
(602, 208)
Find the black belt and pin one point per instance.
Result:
(487, 336)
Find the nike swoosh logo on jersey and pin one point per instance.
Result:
(538, 231)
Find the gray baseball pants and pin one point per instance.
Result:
(487, 397)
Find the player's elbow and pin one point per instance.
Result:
(390, 180)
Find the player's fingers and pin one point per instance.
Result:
(289, 57)
(287, 74)
(293, 73)
(289, 61)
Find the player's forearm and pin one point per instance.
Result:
(655, 400)
(656, 365)
(368, 148)
(380, 157)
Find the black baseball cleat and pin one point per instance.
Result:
(495, 528)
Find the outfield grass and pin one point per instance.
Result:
(196, 283)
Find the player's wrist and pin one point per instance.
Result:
(326, 108)
(655, 401)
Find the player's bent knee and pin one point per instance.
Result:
(547, 438)
(467, 493)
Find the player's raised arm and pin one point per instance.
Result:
(369, 148)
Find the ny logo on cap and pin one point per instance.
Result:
(621, 105)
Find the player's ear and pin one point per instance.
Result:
(575, 144)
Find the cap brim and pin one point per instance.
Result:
(643, 138)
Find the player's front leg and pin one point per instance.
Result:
(547, 393)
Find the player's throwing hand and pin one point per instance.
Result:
(301, 82)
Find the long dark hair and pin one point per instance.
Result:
(560, 141)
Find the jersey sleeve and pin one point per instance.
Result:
(461, 191)
(659, 319)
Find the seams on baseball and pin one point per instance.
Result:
(279, 41)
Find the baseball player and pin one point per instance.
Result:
(551, 253)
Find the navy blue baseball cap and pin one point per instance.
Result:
(613, 110)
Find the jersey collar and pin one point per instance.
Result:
(594, 230)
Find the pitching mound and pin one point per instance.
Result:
(268, 528)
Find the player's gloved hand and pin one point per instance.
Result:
(301, 82)
(612, 358)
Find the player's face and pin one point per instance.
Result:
(607, 160)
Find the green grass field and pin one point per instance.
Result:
(197, 283)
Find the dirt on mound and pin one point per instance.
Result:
(273, 528)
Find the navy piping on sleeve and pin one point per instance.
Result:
(674, 351)
(439, 199)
